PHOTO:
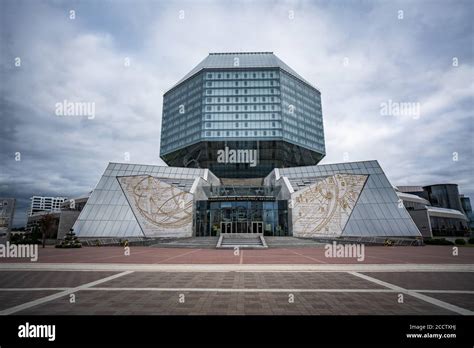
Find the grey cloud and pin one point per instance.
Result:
(82, 60)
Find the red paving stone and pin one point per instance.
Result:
(154, 255)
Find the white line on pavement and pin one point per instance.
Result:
(237, 290)
(415, 294)
(33, 289)
(446, 291)
(60, 294)
(468, 292)
(238, 267)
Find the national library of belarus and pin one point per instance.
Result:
(242, 134)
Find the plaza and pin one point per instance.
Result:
(277, 281)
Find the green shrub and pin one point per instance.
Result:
(70, 241)
(470, 240)
(460, 241)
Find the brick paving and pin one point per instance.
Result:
(315, 255)
(423, 280)
(215, 303)
(111, 298)
(224, 291)
(242, 280)
(461, 300)
(48, 279)
(13, 298)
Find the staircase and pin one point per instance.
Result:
(241, 241)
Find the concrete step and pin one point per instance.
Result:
(241, 242)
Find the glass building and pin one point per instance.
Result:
(247, 101)
(242, 134)
(437, 210)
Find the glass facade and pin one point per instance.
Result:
(301, 114)
(182, 115)
(466, 206)
(444, 196)
(269, 217)
(449, 227)
(269, 155)
(242, 104)
(251, 104)
(107, 213)
(378, 211)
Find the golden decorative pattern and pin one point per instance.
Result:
(323, 208)
(159, 203)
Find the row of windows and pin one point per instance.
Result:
(295, 124)
(259, 99)
(297, 86)
(230, 84)
(310, 143)
(242, 75)
(234, 125)
(180, 137)
(301, 118)
(185, 104)
(115, 169)
(189, 87)
(176, 125)
(314, 102)
(254, 133)
(254, 107)
(176, 117)
(180, 143)
(294, 98)
(301, 135)
(239, 91)
(252, 116)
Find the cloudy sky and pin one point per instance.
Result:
(360, 54)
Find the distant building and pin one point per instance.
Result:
(34, 220)
(7, 210)
(45, 204)
(466, 205)
(64, 218)
(70, 211)
(436, 209)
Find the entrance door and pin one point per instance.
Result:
(257, 227)
(226, 227)
(241, 227)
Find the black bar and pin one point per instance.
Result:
(261, 330)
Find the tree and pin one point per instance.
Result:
(46, 225)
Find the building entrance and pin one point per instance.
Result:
(226, 227)
(268, 218)
(257, 227)
(242, 227)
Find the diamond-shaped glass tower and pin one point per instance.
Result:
(250, 103)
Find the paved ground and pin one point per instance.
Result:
(27, 292)
(101, 280)
(315, 255)
(229, 292)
